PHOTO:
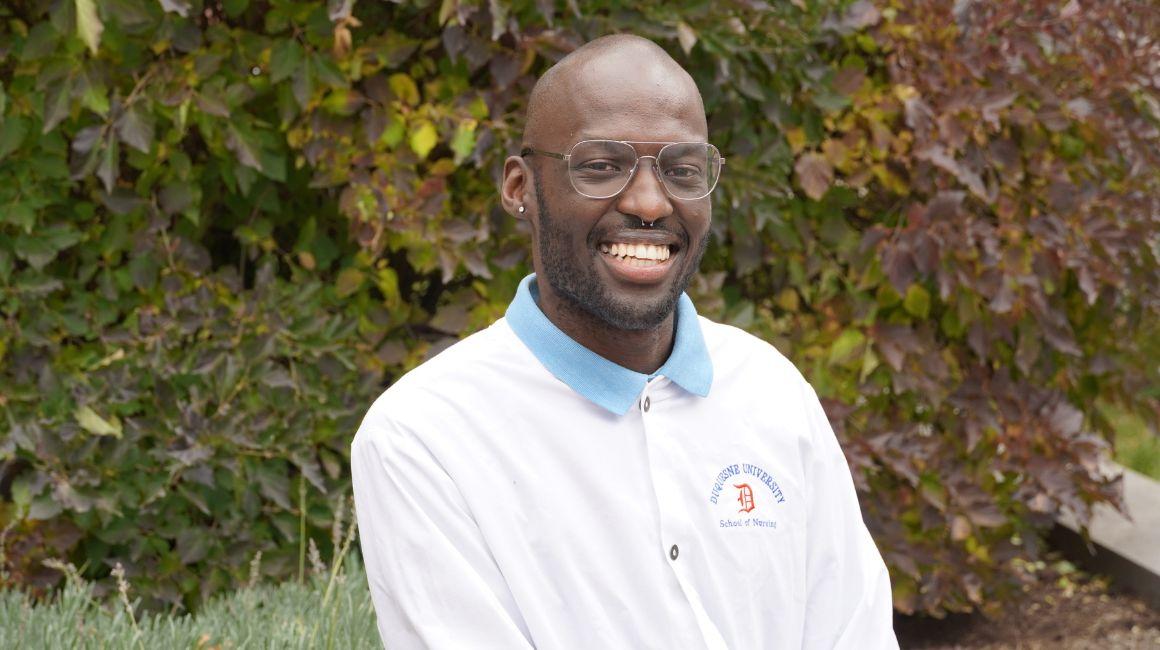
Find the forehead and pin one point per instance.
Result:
(624, 97)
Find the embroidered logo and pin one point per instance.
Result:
(745, 497)
(758, 497)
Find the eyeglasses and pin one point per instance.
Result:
(601, 169)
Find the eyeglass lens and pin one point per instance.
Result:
(602, 168)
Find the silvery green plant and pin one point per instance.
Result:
(331, 609)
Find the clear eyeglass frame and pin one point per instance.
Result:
(714, 156)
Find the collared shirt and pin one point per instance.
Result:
(520, 491)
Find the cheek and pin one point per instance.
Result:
(578, 219)
(698, 219)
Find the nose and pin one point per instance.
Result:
(645, 197)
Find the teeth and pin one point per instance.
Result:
(636, 252)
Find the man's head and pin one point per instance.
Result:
(621, 88)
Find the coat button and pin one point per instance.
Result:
(674, 552)
(646, 403)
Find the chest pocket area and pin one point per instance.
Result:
(757, 527)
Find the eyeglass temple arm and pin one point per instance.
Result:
(527, 151)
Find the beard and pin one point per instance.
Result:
(575, 279)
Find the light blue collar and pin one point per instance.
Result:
(601, 381)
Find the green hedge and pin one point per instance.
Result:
(224, 227)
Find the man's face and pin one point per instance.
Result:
(581, 241)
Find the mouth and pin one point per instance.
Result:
(639, 255)
(635, 261)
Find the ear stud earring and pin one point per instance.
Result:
(522, 209)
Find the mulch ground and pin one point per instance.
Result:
(1067, 612)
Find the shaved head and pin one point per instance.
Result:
(590, 78)
(627, 89)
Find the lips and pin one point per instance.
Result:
(643, 258)
(637, 254)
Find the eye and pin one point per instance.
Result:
(683, 172)
(599, 166)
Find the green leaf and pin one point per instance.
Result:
(176, 197)
(423, 139)
(349, 281)
(869, 363)
(338, 102)
(329, 73)
(404, 88)
(235, 8)
(478, 108)
(849, 343)
(95, 97)
(829, 100)
(302, 85)
(21, 493)
(89, 25)
(285, 58)
(788, 300)
(274, 485)
(95, 424)
(108, 168)
(12, 133)
(1071, 147)
(36, 251)
(20, 214)
(447, 11)
(44, 507)
(393, 134)
(273, 165)
(917, 301)
(242, 144)
(143, 270)
(136, 129)
(248, 146)
(56, 103)
(464, 141)
(951, 325)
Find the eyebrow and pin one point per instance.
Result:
(591, 136)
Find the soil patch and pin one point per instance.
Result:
(1070, 611)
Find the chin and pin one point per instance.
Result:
(631, 315)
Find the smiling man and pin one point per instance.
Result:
(602, 468)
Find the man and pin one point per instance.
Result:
(602, 468)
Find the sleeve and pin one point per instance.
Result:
(433, 581)
(849, 604)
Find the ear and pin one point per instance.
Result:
(515, 190)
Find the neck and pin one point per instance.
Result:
(643, 351)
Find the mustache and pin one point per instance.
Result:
(662, 225)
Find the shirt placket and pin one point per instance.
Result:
(677, 542)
